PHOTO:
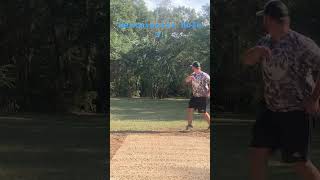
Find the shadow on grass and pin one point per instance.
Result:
(52, 147)
(148, 115)
(52, 120)
(149, 109)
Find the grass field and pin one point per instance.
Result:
(151, 115)
(51, 147)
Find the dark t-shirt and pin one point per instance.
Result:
(287, 74)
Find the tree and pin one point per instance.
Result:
(53, 53)
(147, 66)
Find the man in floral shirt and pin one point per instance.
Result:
(288, 60)
(200, 82)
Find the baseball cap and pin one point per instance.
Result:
(275, 9)
(195, 64)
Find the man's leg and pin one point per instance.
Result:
(203, 109)
(297, 145)
(306, 170)
(206, 116)
(189, 115)
(264, 139)
(258, 163)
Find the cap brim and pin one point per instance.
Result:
(260, 13)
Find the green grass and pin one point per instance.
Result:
(50, 147)
(150, 115)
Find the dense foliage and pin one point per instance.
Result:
(53, 55)
(146, 66)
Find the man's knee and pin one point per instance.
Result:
(301, 165)
(205, 115)
(307, 170)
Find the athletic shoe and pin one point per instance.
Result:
(189, 127)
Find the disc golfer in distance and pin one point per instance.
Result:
(200, 82)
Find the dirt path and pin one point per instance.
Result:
(162, 157)
(117, 138)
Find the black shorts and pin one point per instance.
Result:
(199, 103)
(289, 132)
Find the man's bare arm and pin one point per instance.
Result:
(188, 79)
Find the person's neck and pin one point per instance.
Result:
(197, 71)
(279, 34)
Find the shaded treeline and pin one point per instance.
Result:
(53, 55)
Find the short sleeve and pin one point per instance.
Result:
(311, 55)
(207, 79)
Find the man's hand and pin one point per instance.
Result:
(264, 51)
(254, 55)
(189, 79)
(311, 105)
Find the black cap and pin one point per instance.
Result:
(195, 64)
(275, 9)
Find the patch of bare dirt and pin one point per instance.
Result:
(162, 156)
(117, 138)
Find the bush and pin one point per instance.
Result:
(86, 102)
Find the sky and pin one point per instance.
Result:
(195, 4)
